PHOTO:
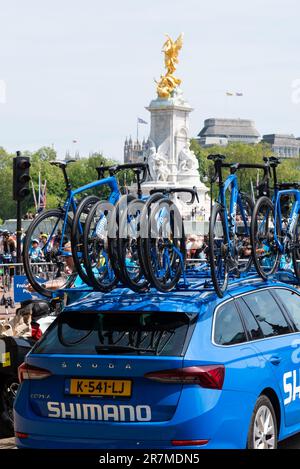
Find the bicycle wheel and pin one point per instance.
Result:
(54, 268)
(132, 274)
(265, 251)
(163, 249)
(95, 247)
(296, 247)
(218, 250)
(242, 241)
(77, 234)
(113, 235)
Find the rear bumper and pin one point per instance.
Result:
(46, 442)
(221, 417)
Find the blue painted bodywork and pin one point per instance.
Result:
(179, 412)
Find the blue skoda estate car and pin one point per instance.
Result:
(180, 370)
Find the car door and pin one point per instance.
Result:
(276, 347)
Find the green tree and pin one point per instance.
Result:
(234, 152)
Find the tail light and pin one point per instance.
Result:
(206, 376)
(21, 435)
(26, 371)
(189, 442)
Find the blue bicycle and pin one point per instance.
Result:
(229, 250)
(103, 261)
(56, 268)
(275, 227)
(161, 243)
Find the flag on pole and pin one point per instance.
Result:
(34, 196)
(141, 121)
(234, 93)
(42, 197)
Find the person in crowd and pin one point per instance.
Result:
(192, 245)
(35, 252)
(9, 247)
(1, 247)
(43, 240)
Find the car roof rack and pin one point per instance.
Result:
(196, 280)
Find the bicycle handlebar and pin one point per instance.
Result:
(120, 167)
(171, 190)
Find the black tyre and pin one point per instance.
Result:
(265, 252)
(132, 274)
(263, 430)
(8, 390)
(113, 235)
(296, 247)
(96, 257)
(243, 226)
(218, 250)
(56, 269)
(163, 249)
(79, 220)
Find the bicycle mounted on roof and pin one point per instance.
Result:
(275, 228)
(58, 223)
(229, 224)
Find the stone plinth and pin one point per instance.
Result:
(171, 162)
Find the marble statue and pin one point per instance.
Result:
(187, 160)
(157, 162)
(168, 83)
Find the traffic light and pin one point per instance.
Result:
(21, 177)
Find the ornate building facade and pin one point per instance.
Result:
(134, 151)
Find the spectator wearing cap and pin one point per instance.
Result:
(9, 247)
(35, 252)
(43, 240)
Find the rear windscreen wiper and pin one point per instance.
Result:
(121, 348)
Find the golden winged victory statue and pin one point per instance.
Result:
(169, 82)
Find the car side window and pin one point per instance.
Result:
(267, 313)
(291, 302)
(251, 322)
(229, 329)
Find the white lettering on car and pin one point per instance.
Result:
(291, 386)
(115, 413)
(288, 387)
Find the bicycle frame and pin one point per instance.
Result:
(292, 217)
(231, 182)
(70, 204)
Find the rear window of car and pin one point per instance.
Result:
(121, 333)
(267, 313)
(228, 327)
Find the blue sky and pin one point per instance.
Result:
(85, 70)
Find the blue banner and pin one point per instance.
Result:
(21, 292)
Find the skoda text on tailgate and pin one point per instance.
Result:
(180, 370)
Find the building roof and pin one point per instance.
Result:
(229, 127)
(281, 139)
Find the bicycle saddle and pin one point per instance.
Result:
(216, 157)
(61, 164)
(289, 185)
(274, 161)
